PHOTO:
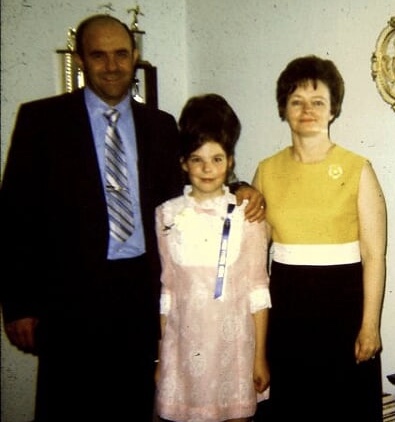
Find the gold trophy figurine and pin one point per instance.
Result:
(134, 27)
(135, 22)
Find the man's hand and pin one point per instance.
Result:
(21, 333)
(255, 210)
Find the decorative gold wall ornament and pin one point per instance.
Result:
(383, 63)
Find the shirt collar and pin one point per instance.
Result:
(93, 102)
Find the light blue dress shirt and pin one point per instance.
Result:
(135, 245)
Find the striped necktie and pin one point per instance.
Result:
(119, 203)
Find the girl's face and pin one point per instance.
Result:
(207, 168)
(308, 109)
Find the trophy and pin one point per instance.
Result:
(72, 76)
(134, 27)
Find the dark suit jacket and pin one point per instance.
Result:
(54, 226)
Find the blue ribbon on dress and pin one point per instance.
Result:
(222, 253)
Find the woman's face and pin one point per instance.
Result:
(308, 109)
(207, 168)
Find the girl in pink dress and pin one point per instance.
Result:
(214, 298)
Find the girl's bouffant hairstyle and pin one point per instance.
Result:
(208, 117)
(310, 68)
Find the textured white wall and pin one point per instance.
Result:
(227, 46)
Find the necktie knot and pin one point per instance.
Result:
(112, 115)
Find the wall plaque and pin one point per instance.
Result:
(383, 63)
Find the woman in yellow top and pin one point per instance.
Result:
(327, 215)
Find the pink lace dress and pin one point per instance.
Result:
(207, 351)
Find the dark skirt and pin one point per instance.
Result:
(315, 317)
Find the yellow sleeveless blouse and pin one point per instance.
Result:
(311, 204)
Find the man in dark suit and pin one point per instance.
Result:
(84, 302)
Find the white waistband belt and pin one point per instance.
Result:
(328, 254)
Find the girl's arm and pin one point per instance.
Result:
(261, 367)
(163, 320)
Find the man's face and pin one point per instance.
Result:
(108, 60)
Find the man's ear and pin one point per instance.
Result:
(78, 61)
(136, 56)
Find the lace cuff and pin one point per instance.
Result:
(165, 303)
(260, 299)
